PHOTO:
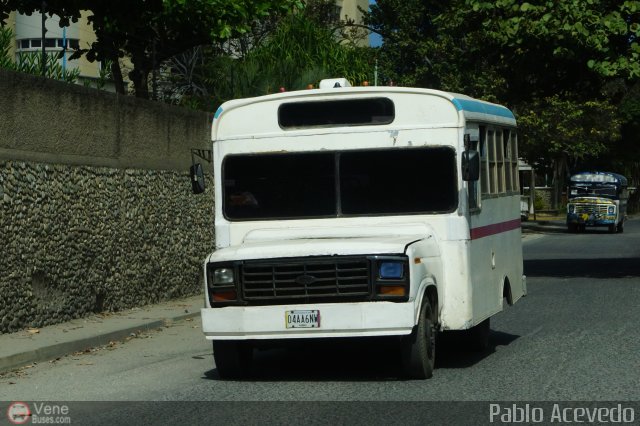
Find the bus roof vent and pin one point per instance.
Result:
(331, 83)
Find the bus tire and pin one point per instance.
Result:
(419, 348)
(233, 359)
(478, 336)
(612, 229)
(572, 227)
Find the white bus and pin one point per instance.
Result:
(360, 211)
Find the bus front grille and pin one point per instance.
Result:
(323, 279)
(596, 209)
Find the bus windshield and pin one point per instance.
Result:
(597, 184)
(600, 190)
(340, 183)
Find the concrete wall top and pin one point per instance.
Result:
(55, 122)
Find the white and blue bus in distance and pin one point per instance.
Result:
(597, 199)
(347, 212)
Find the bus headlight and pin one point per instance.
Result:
(612, 210)
(571, 208)
(222, 276)
(391, 270)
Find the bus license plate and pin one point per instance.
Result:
(302, 319)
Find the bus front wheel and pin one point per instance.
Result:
(419, 348)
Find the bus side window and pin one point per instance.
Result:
(484, 162)
(474, 186)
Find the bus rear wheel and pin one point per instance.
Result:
(419, 348)
(233, 358)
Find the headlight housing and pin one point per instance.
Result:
(571, 208)
(611, 210)
(391, 277)
(221, 283)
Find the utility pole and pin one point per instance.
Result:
(44, 30)
(64, 52)
(154, 73)
(375, 74)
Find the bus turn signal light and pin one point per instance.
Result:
(392, 290)
(225, 296)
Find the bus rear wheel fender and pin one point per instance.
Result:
(507, 294)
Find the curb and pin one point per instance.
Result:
(536, 227)
(49, 352)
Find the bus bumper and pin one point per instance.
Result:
(590, 220)
(335, 320)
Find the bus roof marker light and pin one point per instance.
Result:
(334, 83)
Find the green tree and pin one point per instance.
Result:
(564, 133)
(6, 37)
(410, 52)
(300, 49)
(550, 61)
(560, 59)
(150, 31)
(431, 44)
(599, 35)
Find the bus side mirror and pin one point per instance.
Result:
(197, 178)
(470, 165)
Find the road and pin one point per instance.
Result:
(574, 337)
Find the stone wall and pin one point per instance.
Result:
(96, 209)
(77, 240)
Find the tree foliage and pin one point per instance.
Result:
(299, 50)
(553, 62)
(565, 132)
(561, 59)
(151, 31)
(601, 35)
(572, 129)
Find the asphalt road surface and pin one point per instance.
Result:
(575, 337)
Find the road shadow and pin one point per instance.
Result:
(592, 268)
(454, 349)
(366, 359)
